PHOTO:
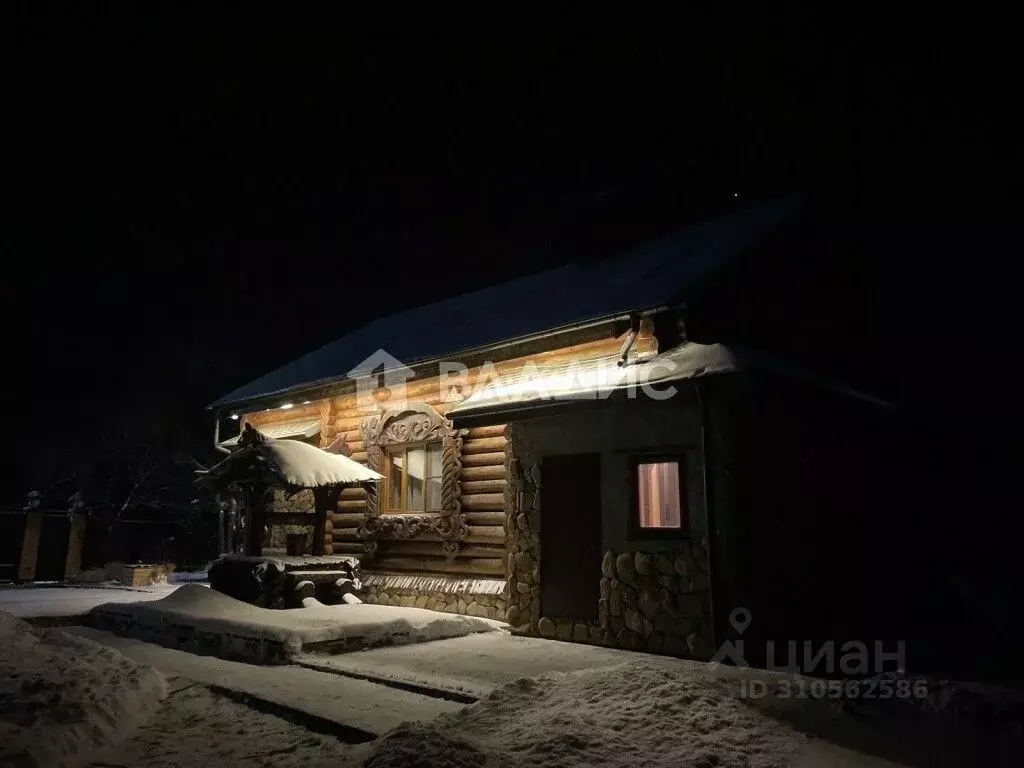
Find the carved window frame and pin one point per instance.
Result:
(388, 467)
(413, 423)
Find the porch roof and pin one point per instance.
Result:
(286, 463)
(540, 386)
(283, 429)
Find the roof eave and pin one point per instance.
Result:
(306, 386)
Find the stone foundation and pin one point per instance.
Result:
(657, 602)
(472, 597)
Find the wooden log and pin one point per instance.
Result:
(298, 413)
(348, 548)
(433, 549)
(486, 533)
(298, 593)
(486, 518)
(483, 486)
(328, 525)
(360, 457)
(347, 494)
(492, 472)
(349, 424)
(469, 566)
(347, 519)
(483, 501)
(260, 581)
(345, 533)
(483, 459)
(351, 599)
(484, 445)
(495, 430)
(352, 504)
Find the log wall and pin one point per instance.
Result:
(483, 481)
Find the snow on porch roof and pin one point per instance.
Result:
(287, 463)
(283, 429)
(539, 386)
(306, 466)
(643, 278)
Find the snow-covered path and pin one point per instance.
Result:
(477, 664)
(354, 703)
(199, 727)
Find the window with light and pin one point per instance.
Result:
(413, 478)
(658, 506)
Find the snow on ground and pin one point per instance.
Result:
(198, 727)
(73, 601)
(61, 695)
(209, 611)
(477, 664)
(637, 713)
(356, 703)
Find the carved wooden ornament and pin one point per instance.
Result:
(412, 424)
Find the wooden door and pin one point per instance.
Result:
(570, 556)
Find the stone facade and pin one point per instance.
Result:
(485, 606)
(522, 540)
(657, 601)
(474, 597)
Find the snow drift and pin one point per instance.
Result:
(197, 618)
(637, 713)
(62, 695)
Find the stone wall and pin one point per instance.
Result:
(654, 600)
(657, 602)
(522, 539)
(473, 597)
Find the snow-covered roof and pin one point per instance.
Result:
(307, 466)
(282, 429)
(643, 278)
(288, 463)
(536, 386)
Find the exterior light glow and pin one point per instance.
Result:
(234, 417)
(286, 406)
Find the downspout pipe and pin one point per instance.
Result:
(706, 457)
(627, 345)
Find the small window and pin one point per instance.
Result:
(658, 496)
(413, 478)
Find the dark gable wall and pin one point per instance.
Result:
(836, 520)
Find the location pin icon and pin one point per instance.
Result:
(740, 619)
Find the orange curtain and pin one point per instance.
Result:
(660, 505)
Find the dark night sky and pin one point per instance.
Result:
(192, 216)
